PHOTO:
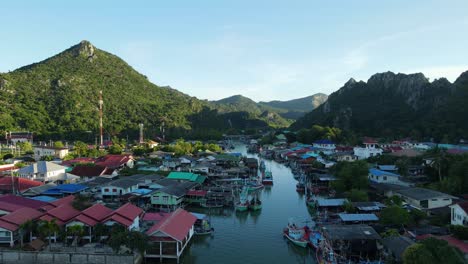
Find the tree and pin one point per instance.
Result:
(58, 144)
(47, 228)
(115, 149)
(25, 146)
(394, 215)
(442, 252)
(351, 175)
(394, 200)
(117, 239)
(24, 228)
(80, 148)
(417, 254)
(8, 156)
(348, 207)
(459, 231)
(76, 231)
(81, 202)
(100, 230)
(356, 195)
(417, 216)
(390, 233)
(137, 241)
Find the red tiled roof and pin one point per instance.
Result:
(88, 171)
(21, 201)
(50, 218)
(63, 213)
(129, 211)
(113, 161)
(176, 225)
(67, 200)
(71, 162)
(85, 220)
(464, 206)
(154, 216)
(20, 184)
(93, 215)
(18, 217)
(197, 193)
(8, 207)
(119, 219)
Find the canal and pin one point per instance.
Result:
(254, 237)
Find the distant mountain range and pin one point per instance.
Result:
(290, 110)
(397, 105)
(58, 98)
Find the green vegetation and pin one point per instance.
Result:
(432, 250)
(308, 136)
(182, 147)
(58, 98)
(459, 231)
(394, 216)
(352, 178)
(395, 106)
(298, 107)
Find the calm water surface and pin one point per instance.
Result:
(254, 237)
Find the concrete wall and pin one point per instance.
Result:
(15, 257)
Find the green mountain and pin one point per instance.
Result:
(58, 98)
(297, 108)
(278, 113)
(396, 105)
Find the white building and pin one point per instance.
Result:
(459, 214)
(119, 187)
(380, 176)
(370, 149)
(324, 144)
(43, 151)
(16, 137)
(424, 199)
(42, 171)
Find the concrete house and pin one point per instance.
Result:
(44, 151)
(459, 214)
(425, 199)
(380, 176)
(119, 187)
(370, 149)
(43, 171)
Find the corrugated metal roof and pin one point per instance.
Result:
(330, 202)
(377, 172)
(358, 217)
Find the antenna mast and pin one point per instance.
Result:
(141, 134)
(101, 102)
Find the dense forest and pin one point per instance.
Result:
(58, 98)
(393, 105)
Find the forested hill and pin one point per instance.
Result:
(58, 97)
(280, 112)
(397, 105)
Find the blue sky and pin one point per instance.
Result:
(265, 50)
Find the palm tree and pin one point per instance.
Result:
(77, 231)
(100, 230)
(47, 228)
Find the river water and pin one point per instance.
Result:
(254, 237)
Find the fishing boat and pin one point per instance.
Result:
(267, 178)
(253, 185)
(262, 166)
(243, 204)
(202, 225)
(300, 186)
(255, 204)
(211, 203)
(298, 235)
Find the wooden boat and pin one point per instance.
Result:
(267, 178)
(255, 204)
(298, 235)
(243, 204)
(262, 166)
(202, 225)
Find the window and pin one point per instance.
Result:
(106, 190)
(165, 199)
(384, 178)
(114, 190)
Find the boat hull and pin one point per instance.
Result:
(255, 207)
(300, 243)
(241, 208)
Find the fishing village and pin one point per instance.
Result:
(324, 203)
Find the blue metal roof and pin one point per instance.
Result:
(324, 141)
(199, 216)
(377, 172)
(387, 167)
(330, 202)
(65, 188)
(142, 191)
(357, 217)
(44, 198)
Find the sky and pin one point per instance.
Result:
(265, 50)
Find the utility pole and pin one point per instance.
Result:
(101, 102)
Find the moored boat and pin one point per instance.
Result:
(267, 178)
(298, 235)
(202, 225)
(255, 204)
